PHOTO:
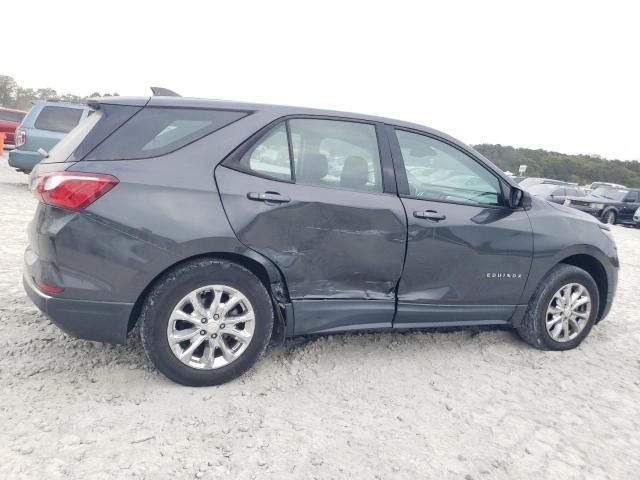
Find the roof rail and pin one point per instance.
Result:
(163, 92)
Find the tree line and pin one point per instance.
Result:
(13, 95)
(581, 169)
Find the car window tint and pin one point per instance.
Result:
(559, 192)
(336, 153)
(156, 131)
(58, 119)
(438, 171)
(11, 116)
(270, 156)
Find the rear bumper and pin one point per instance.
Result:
(24, 159)
(86, 319)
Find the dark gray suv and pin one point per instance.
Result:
(219, 226)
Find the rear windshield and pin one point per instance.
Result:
(58, 119)
(65, 147)
(156, 131)
(11, 116)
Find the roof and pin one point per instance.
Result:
(277, 110)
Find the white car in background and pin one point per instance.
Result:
(636, 217)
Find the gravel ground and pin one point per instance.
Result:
(464, 404)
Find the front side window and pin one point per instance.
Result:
(438, 171)
(58, 119)
(336, 153)
(632, 197)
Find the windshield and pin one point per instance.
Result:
(616, 194)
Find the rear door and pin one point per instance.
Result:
(317, 197)
(468, 255)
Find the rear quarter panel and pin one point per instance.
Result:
(164, 210)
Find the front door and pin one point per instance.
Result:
(629, 207)
(468, 254)
(310, 195)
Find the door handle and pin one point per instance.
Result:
(268, 197)
(430, 215)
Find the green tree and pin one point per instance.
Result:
(581, 169)
(8, 90)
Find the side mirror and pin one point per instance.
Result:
(516, 196)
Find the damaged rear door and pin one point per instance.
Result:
(317, 196)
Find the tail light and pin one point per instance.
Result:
(47, 288)
(71, 190)
(21, 138)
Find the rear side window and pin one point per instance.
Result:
(11, 116)
(58, 119)
(270, 156)
(156, 131)
(324, 153)
(336, 153)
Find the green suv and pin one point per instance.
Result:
(45, 125)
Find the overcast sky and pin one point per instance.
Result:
(557, 75)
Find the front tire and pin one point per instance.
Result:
(206, 322)
(610, 217)
(562, 311)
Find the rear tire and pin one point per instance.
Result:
(543, 326)
(205, 365)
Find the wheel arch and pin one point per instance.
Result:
(265, 271)
(596, 269)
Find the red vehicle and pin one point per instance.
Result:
(9, 121)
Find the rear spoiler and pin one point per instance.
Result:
(163, 92)
(131, 101)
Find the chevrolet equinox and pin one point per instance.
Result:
(218, 226)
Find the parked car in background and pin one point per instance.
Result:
(215, 225)
(531, 181)
(610, 205)
(9, 121)
(517, 178)
(556, 193)
(595, 185)
(45, 125)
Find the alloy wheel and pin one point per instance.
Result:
(211, 327)
(568, 312)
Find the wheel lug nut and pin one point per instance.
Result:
(203, 332)
(204, 320)
(216, 317)
(222, 325)
(215, 335)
